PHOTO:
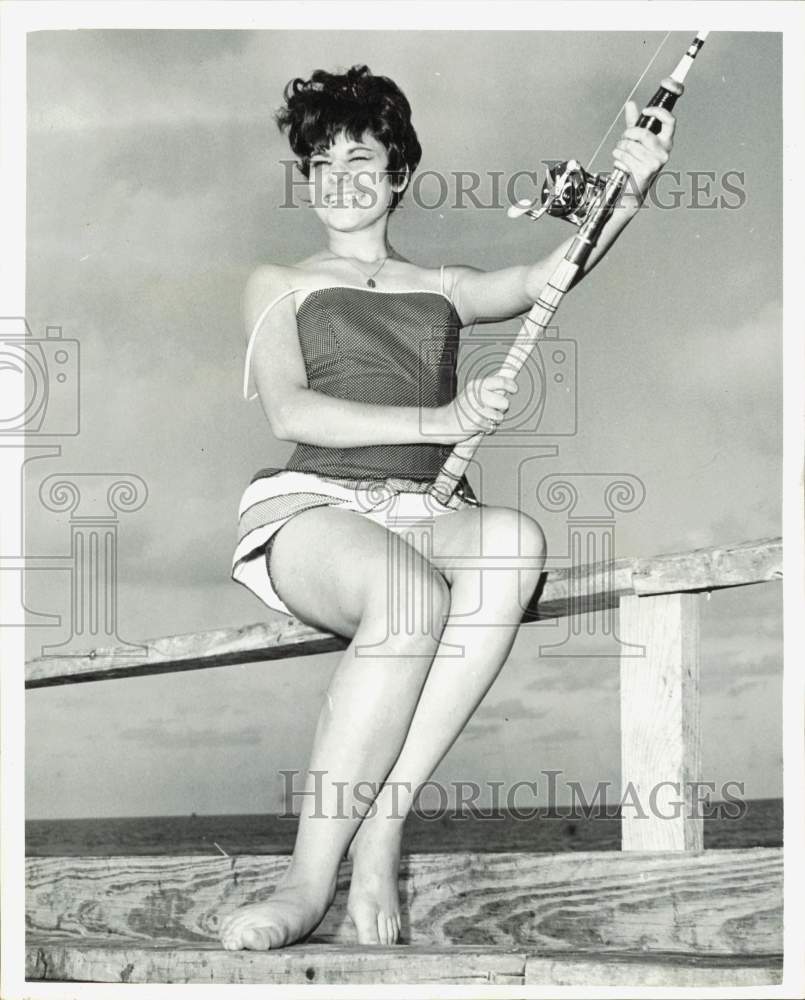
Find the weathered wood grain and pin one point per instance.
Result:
(712, 568)
(652, 970)
(660, 724)
(704, 569)
(716, 902)
(197, 650)
(130, 962)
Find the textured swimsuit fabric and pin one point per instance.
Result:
(382, 348)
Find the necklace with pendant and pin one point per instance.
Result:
(370, 279)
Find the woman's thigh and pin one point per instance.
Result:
(331, 566)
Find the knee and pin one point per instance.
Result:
(511, 532)
(531, 537)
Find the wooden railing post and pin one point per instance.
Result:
(660, 724)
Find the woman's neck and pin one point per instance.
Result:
(367, 246)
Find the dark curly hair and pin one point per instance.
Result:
(355, 102)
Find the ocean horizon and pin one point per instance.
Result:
(550, 830)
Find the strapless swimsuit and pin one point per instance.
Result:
(387, 348)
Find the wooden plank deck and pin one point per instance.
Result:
(712, 903)
(130, 962)
(589, 588)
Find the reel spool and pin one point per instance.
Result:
(568, 192)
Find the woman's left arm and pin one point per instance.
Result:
(489, 296)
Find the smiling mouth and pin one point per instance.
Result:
(345, 200)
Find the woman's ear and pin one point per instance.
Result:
(400, 180)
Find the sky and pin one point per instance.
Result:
(155, 182)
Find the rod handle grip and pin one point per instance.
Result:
(666, 97)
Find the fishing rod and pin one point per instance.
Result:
(586, 200)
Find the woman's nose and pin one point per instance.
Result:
(338, 175)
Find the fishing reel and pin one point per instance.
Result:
(568, 192)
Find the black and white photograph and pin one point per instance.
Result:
(401, 542)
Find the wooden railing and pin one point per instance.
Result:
(740, 937)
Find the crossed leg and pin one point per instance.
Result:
(485, 612)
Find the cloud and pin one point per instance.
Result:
(746, 674)
(575, 674)
(478, 730)
(183, 159)
(562, 734)
(511, 708)
(735, 373)
(170, 737)
(738, 687)
(766, 666)
(81, 79)
(491, 719)
(752, 658)
(733, 617)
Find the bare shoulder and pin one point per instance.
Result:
(265, 284)
(274, 279)
(267, 279)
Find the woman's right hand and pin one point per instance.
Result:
(478, 409)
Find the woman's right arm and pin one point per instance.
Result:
(305, 416)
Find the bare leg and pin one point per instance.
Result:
(484, 619)
(367, 709)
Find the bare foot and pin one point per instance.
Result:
(293, 911)
(374, 902)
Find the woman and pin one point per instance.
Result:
(353, 354)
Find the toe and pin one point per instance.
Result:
(258, 939)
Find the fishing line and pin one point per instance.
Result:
(620, 109)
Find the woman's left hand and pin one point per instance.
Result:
(640, 152)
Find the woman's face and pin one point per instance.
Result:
(349, 184)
